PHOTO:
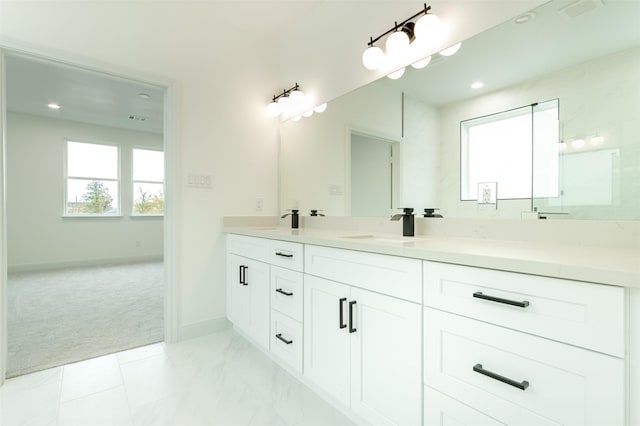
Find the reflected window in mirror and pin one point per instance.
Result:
(510, 148)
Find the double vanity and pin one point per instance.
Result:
(432, 330)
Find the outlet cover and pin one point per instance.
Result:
(199, 180)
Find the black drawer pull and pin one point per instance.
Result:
(283, 254)
(340, 308)
(520, 385)
(240, 277)
(352, 329)
(523, 304)
(244, 275)
(281, 291)
(279, 337)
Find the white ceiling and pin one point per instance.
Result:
(83, 96)
(512, 53)
(502, 56)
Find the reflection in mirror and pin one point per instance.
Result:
(597, 161)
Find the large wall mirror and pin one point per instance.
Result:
(397, 143)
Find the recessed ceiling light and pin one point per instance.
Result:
(523, 19)
(144, 95)
(477, 85)
(53, 106)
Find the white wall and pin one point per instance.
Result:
(38, 234)
(599, 96)
(315, 155)
(420, 151)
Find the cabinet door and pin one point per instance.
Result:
(326, 344)
(237, 306)
(386, 379)
(256, 278)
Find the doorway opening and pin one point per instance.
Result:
(85, 204)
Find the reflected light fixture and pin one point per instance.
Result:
(424, 34)
(53, 106)
(449, 51)
(477, 85)
(577, 143)
(596, 140)
(292, 103)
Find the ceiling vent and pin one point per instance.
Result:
(137, 118)
(580, 7)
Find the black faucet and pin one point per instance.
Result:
(430, 213)
(408, 228)
(315, 213)
(294, 218)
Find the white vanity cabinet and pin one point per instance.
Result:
(363, 347)
(248, 297)
(517, 348)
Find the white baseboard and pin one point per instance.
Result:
(44, 266)
(202, 328)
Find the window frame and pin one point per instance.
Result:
(133, 213)
(66, 178)
(485, 119)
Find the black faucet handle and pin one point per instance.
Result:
(430, 212)
(314, 212)
(406, 210)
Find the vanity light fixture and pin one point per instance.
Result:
(449, 51)
(53, 106)
(293, 103)
(425, 33)
(577, 143)
(477, 85)
(596, 140)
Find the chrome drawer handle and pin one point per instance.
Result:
(283, 254)
(279, 290)
(279, 336)
(479, 295)
(520, 385)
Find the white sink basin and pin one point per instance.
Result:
(379, 239)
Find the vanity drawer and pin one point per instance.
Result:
(286, 254)
(286, 340)
(391, 275)
(251, 247)
(558, 382)
(286, 292)
(583, 314)
(441, 410)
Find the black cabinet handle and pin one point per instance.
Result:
(279, 336)
(279, 290)
(340, 308)
(523, 304)
(240, 274)
(283, 254)
(244, 276)
(352, 329)
(520, 385)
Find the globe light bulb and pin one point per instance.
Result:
(421, 63)
(307, 113)
(577, 143)
(427, 27)
(284, 103)
(273, 109)
(596, 140)
(321, 107)
(372, 58)
(296, 99)
(396, 74)
(397, 43)
(451, 50)
(296, 117)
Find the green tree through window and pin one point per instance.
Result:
(97, 199)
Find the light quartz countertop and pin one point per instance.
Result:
(604, 265)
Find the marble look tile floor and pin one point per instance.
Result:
(220, 379)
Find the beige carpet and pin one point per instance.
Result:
(68, 315)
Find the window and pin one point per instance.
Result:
(148, 182)
(92, 179)
(502, 148)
